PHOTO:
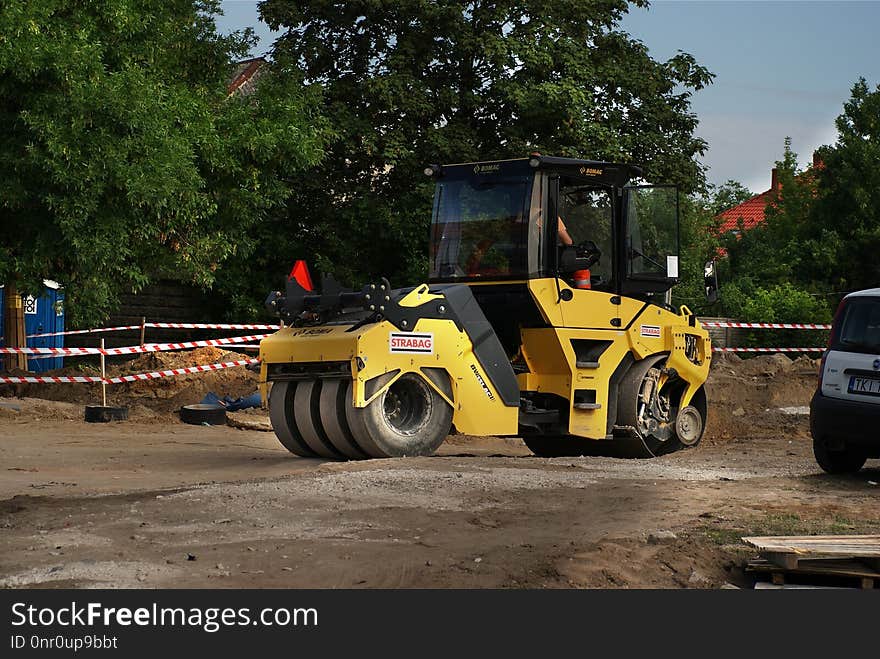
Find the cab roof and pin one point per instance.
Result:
(606, 173)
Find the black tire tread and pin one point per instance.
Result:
(283, 422)
(334, 421)
(306, 411)
(846, 461)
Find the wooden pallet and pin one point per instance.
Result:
(851, 572)
(845, 558)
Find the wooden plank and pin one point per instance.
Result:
(785, 560)
(837, 568)
(864, 546)
(763, 585)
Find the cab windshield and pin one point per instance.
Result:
(480, 226)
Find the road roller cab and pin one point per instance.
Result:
(543, 316)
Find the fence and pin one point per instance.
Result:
(236, 342)
(725, 331)
(714, 326)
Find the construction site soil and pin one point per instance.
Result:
(156, 503)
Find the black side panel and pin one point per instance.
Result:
(614, 387)
(488, 349)
(508, 308)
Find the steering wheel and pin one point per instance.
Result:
(590, 251)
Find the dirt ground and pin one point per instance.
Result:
(156, 503)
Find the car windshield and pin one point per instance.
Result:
(860, 325)
(480, 226)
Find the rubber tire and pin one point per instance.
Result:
(378, 437)
(203, 413)
(281, 415)
(333, 418)
(847, 461)
(105, 414)
(306, 412)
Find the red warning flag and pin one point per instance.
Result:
(300, 272)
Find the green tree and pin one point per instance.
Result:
(123, 159)
(844, 230)
(412, 82)
(772, 270)
(727, 195)
(699, 243)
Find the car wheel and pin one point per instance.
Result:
(837, 461)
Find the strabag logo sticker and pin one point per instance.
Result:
(482, 382)
(651, 330)
(411, 342)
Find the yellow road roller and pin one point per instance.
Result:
(545, 316)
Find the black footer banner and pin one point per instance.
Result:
(428, 621)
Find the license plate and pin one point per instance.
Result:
(865, 386)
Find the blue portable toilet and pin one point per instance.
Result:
(43, 315)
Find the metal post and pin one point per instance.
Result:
(103, 377)
(143, 329)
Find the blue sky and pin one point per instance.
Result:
(782, 69)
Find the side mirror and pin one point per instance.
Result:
(710, 281)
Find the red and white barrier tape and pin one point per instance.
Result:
(45, 379)
(49, 379)
(129, 350)
(769, 349)
(86, 331)
(70, 352)
(163, 347)
(123, 328)
(180, 371)
(807, 326)
(210, 326)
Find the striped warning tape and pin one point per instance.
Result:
(129, 350)
(123, 328)
(46, 379)
(769, 349)
(85, 331)
(71, 352)
(180, 371)
(50, 379)
(236, 326)
(807, 326)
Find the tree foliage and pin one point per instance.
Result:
(727, 195)
(845, 218)
(769, 272)
(122, 158)
(698, 237)
(412, 82)
(821, 234)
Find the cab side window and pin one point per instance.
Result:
(587, 214)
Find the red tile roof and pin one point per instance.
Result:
(751, 211)
(245, 75)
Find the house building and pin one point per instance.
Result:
(751, 211)
(245, 75)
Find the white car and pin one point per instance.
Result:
(845, 410)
